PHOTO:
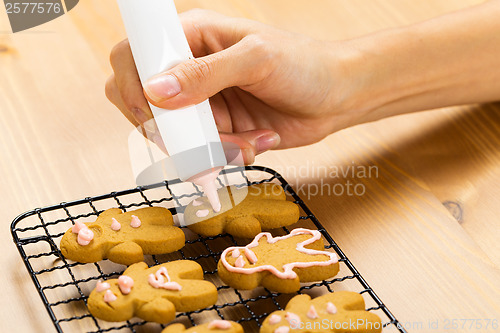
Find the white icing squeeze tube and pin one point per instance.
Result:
(190, 135)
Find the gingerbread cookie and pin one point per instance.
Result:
(278, 263)
(341, 311)
(245, 211)
(123, 237)
(225, 326)
(153, 294)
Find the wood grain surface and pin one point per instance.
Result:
(424, 233)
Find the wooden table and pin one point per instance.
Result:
(62, 140)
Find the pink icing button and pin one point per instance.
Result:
(202, 212)
(250, 256)
(101, 286)
(135, 222)
(197, 203)
(282, 329)
(85, 236)
(331, 308)
(125, 283)
(312, 314)
(78, 226)
(109, 296)
(293, 319)
(274, 319)
(115, 225)
(220, 324)
(240, 262)
(235, 253)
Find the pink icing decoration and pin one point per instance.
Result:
(312, 314)
(250, 255)
(115, 225)
(78, 226)
(235, 253)
(101, 286)
(135, 222)
(282, 329)
(202, 212)
(206, 180)
(292, 318)
(331, 308)
(288, 272)
(274, 319)
(157, 280)
(109, 296)
(240, 262)
(196, 203)
(125, 283)
(220, 324)
(85, 236)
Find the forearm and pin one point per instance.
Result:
(450, 60)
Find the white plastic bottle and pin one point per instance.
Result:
(190, 135)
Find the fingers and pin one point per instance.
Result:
(244, 64)
(128, 83)
(241, 148)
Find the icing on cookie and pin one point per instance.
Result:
(282, 329)
(235, 253)
(274, 319)
(115, 225)
(85, 236)
(135, 222)
(240, 262)
(109, 296)
(202, 212)
(101, 286)
(78, 226)
(288, 272)
(312, 313)
(125, 283)
(331, 308)
(250, 255)
(220, 324)
(157, 280)
(292, 318)
(196, 203)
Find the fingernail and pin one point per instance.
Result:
(266, 142)
(162, 87)
(140, 115)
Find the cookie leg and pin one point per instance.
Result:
(274, 283)
(126, 253)
(245, 227)
(159, 310)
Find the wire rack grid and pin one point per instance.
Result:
(64, 285)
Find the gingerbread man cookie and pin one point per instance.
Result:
(278, 263)
(341, 311)
(153, 294)
(245, 211)
(224, 326)
(123, 237)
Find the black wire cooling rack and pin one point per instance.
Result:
(63, 285)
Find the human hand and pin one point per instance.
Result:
(268, 88)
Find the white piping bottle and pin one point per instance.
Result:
(190, 135)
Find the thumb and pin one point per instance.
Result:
(195, 80)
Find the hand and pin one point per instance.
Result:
(268, 88)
